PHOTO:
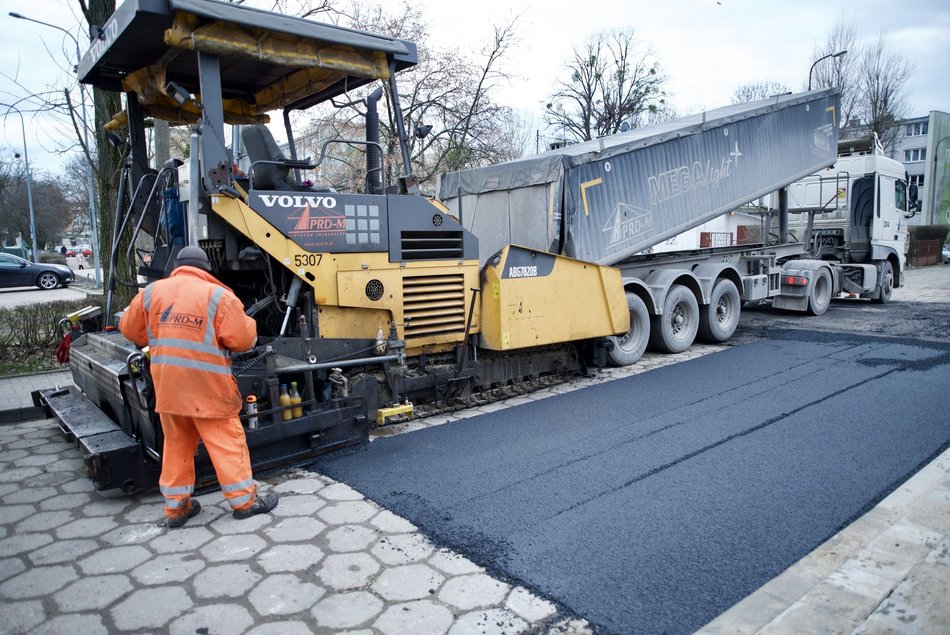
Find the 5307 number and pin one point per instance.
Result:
(307, 260)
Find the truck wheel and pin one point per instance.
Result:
(629, 348)
(720, 318)
(887, 283)
(675, 330)
(819, 298)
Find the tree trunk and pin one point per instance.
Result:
(106, 104)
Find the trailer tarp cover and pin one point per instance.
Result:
(610, 198)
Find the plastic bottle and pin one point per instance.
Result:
(296, 400)
(286, 414)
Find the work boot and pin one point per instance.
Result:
(261, 505)
(174, 522)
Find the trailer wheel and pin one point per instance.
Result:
(720, 318)
(819, 298)
(887, 283)
(629, 348)
(675, 330)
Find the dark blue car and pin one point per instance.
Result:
(17, 272)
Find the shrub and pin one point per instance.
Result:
(29, 334)
(52, 258)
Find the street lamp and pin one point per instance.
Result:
(93, 220)
(29, 183)
(838, 54)
(934, 208)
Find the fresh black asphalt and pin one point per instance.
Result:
(653, 503)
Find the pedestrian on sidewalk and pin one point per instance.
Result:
(191, 323)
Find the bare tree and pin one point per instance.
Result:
(841, 71)
(613, 79)
(53, 212)
(754, 91)
(884, 75)
(447, 105)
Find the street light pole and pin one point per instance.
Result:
(29, 184)
(838, 54)
(93, 218)
(933, 186)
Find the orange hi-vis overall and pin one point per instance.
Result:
(191, 323)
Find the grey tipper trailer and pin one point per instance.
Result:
(616, 200)
(613, 197)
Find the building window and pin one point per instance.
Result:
(917, 129)
(917, 154)
(916, 179)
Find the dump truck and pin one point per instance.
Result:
(378, 300)
(678, 209)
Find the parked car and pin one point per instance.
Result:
(85, 251)
(18, 272)
(945, 255)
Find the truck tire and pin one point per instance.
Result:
(887, 283)
(675, 330)
(719, 319)
(819, 297)
(629, 348)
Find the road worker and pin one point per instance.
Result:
(191, 323)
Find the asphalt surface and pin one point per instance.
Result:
(653, 503)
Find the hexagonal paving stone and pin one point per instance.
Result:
(137, 534)
(12, 514)
(340, 492)
(9, 456)
(298, 505)
(233, 548)
(29, 495)
(43, 521)
(168, 568)
(10, 567)
(106, 507)
(228, 525)
(347, 512)
(66, 501)
(529, 606)
(20, 474)
(489, 622)
(347, 570)
(350, 538)
(86, 528)
(284, 594)
(281, 628)
(187, 538)
(21, 543)
(229, 580)
(78, 485)
(403, 548)
(85, 624)
(414, 617)
(307, 485)
(223, 619)
(408, 582)
(37, 582)
(346, 610)
(37, 460)
(21, 617)
(62, 551)
(151, 608)
(281, 558)
(114, 559)
(92, 593)
(70, 465)
(452, 563)
(391, 523)
(295, 529)
(473, 591)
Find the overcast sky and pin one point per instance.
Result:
(706, 48)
